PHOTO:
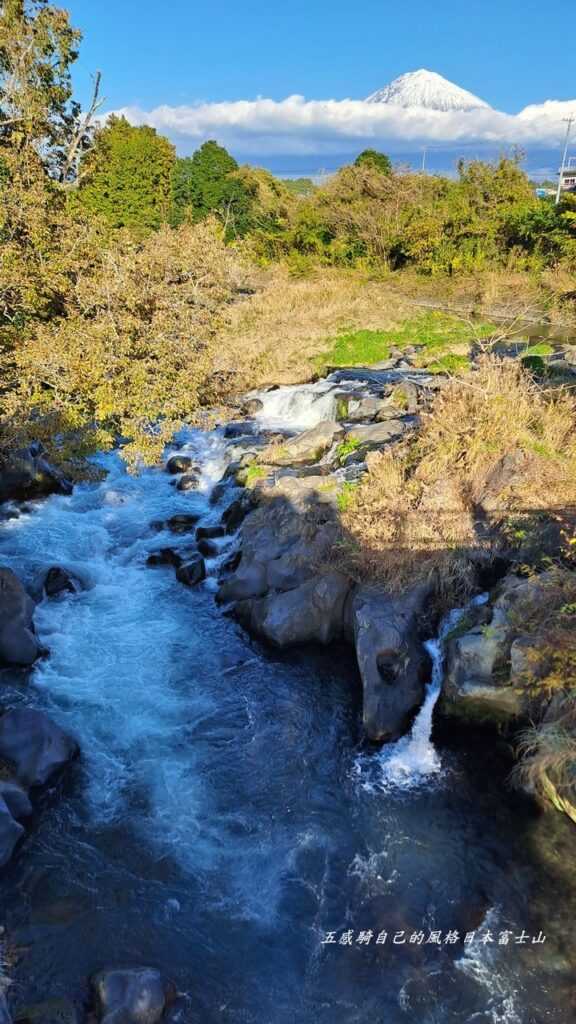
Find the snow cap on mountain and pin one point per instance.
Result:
(426, 89)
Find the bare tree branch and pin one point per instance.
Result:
(83, 127)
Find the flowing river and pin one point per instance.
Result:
(225, 821)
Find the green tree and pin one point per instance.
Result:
(206, 183)
(126, 176)
(380, 161)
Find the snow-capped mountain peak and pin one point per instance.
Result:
(426, 89)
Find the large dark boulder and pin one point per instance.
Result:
(165, 556)
(236, 512)
(188, 482)
(388, 638)
(130, 995)
(180, 464)
(311, 613)
(27, 475)
(306, 448)
(34, 745)
(18, 644)
(192, 572)
(183, 522)
(59, 581)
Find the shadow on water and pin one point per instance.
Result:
(220, 824)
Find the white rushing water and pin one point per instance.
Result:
(112, 675)
(414, 759)
(301, 407)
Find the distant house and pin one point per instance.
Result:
(568, 175)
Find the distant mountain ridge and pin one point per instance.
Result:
(429, 90)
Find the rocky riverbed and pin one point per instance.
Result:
(225, 783)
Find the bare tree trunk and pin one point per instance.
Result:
(82, 128)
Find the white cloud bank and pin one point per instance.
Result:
(299, 126)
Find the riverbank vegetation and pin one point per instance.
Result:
(122, 262)
(494, 460)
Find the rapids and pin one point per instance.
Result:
(225, 820)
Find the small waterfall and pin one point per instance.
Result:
(300, 408)
(414, 758)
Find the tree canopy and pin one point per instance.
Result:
(372, 158)
(126, 176)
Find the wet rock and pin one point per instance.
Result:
(311, 613)
(378, 434)
(219, 491)
(236, 512)
(250, 581)
(251, 406)
(18, 644)
(300, 491)
(16, 799)
(131, 995)
(489, 661)
(239, 429)
(183, 523)
(364, 409)
(231, 563)
(180, 464)
(60, 581)
(188, 482)
(166, 556)
(157, 525)
(208, 548)
(27, 475)
(392, 662)
(34, 745)
(209, 532)
(307, 447)
(10, 834)
(404, 397)
(192, 572)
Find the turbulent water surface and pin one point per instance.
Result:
(224, 821)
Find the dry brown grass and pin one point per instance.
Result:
(274, 336)
(424, 512)
(510, 294)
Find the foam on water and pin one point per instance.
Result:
(112, 678)
(481, 962)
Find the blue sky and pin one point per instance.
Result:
(511, 53)
(233, 71)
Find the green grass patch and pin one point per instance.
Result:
(346, 447)
(254, 473)
(449, 363)
(540, 348)
(435, 332)
(344, 499)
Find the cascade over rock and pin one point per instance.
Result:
(391, 658)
